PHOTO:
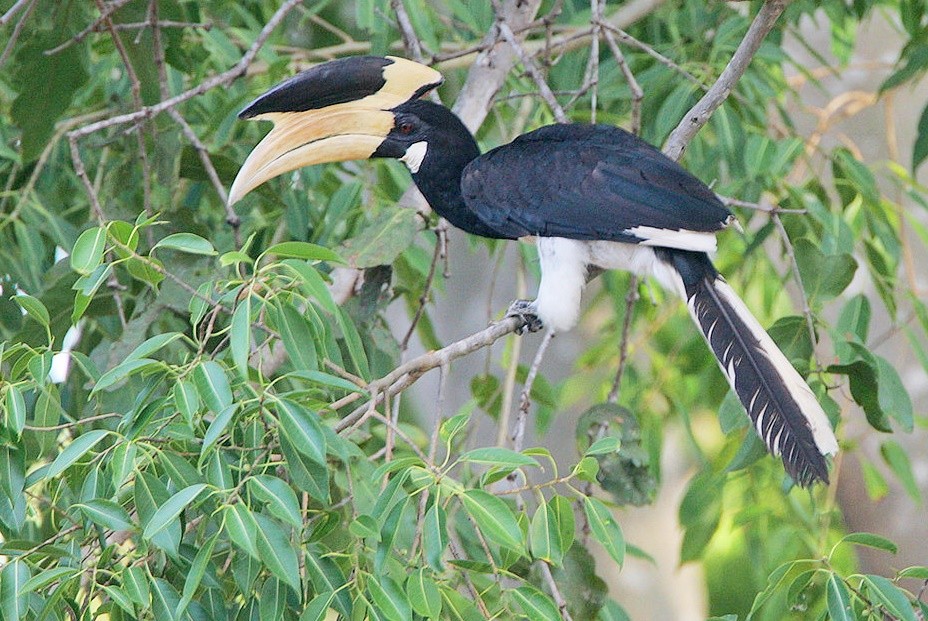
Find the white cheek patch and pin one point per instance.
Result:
(414, 156)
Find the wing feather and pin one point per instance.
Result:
(591, 182)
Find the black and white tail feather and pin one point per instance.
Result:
(782, 407)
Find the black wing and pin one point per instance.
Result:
(593, 182)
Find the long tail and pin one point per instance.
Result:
(780, 404)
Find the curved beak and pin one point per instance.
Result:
(334, 112)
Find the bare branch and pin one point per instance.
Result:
(10, 14)
(543, 89)
(699, 115)
(630, 300)
(406, 374)
(110, 8)
(410, 39)
(518, 434)
(633, 86)
(17, 30)
(220, 79)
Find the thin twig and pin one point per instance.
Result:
(221, 79)
(630, 300)
(806, 311)
(410, 39)
(543, 89)
(633, 86)
(406, 374)
(525, 401)
(699, 114)
(110, 8)
(11, 13)
(555, 592)
(17, 30)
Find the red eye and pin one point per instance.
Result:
(406, 128)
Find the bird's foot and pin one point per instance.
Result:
(528, 313)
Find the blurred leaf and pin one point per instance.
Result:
(303, 250)
(383, 239)
(46, 84)
(898, 460)
(823, 276)
(920, 149)
(423, 594)
(302, 428)
(498, 456)
(87, 253)
(535, 604)
(604, 528)
(106, 513)
(890, 596)
(167, 512)
(389, 599)
(13, 602)
(33, 307)
(74, 451)
(494, 518)
(186, 242)
(871, 541)
(839, 600)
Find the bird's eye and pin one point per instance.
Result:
(406, 128)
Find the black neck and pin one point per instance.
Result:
(451, 147)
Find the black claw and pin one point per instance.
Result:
(525, 310)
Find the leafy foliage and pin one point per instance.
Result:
(218, 448)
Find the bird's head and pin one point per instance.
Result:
(347, 109)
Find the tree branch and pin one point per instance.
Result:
(699, 114)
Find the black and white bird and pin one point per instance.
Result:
(593, 196)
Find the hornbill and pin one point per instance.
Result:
(593, 196)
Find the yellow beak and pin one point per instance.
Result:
(350, 130)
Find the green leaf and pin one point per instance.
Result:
(838, 599)
(15, 410)
(318, 608)
(917, 572)
(213, 385)
(277, 552)
(383, 240)
(155, 343)
(272, 600)
(561, 510)
(120, 372)
(46, 85)
(897, 459)
(240, 523)
(604, 528)
(47, 577)
(535, 604)
(435, 536)
(186, 242)
(302, 428)
(604, 446)
(14, 603)
(545, 536)
(498, 456)
(278, 497)
(135, 583)
(106, 513)
(303, 250)
(920, 149)
(240, 335)
(164, 599)
(297, 336)
(494, 518)
(34, 307)
(823, 276)
(871, 541)
(87, 253)
(216, 429)
(891, 597)
(196, 573)
(74, 451)
(167, 512)
(423, 594)
(186, 399)
(389, 599)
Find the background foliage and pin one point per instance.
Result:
(218, 447)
